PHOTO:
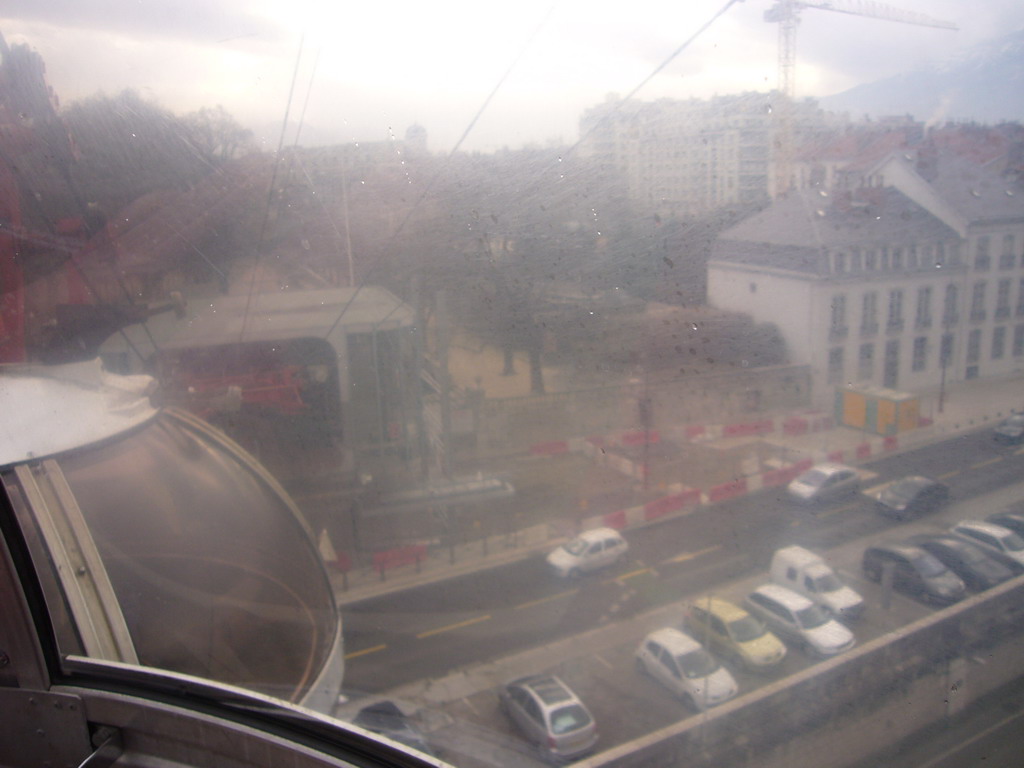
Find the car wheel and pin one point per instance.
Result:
(875, 574)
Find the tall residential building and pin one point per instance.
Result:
(688, 157)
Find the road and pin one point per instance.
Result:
(428, 631)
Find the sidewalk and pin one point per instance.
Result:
(966, 406)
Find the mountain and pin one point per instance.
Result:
(983, 84)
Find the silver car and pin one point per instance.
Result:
(997, 542)
(550, 715)
(824, 483)
(682, 665)
(794, 617)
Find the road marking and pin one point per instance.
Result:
(948, 475)
(830, 512)
(603, 661)
(364, 652)
(981, 464)
(548, 599)
(630, 575)
(692, 555)
(876, 489)
(964, 744)
(450, 627)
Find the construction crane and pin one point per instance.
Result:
(786, 13)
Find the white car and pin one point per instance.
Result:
(824, 483)
(591, 550)
(682, 665)
(794, 617)
(998, 542)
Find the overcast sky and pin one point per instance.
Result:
(371, 68)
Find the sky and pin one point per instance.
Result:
(365, 71)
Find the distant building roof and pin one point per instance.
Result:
(277, 316)
(796, 232)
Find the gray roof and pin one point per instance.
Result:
(981, 192)
(798, 231)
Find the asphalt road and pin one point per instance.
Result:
(428, 631)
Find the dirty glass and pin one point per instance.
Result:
(456, 282)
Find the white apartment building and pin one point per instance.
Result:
(871, 287)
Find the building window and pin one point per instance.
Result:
(1003, 299)
(1007, 259)
(923, 319)
(912, 260)
(891, 367)
(855, 261)
(839, 263)
(978, 302)
(866, 362)
(897, 258)
(883, 259)
(835, 365)
(974, 346)
(1020, 298)
(870, 261)
(982, 257)
(998, 342)
(1018, 340)
(895, 310)
(869, 314)
(919, 360)
(940, 254)
(950, 316)
(946, 350)
(837, 327)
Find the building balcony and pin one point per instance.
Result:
(923, 323)
(894, 326)
(869, 329)
(951, 318)
(979, 316)
(1002, 313)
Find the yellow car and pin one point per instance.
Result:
(734, 633)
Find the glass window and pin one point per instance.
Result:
(866, 362)
(895, 309)
(978, 301)
(835, 365)
(1018, 340)
(919, 360)
(998, 342)
(982, 255)
(974, 345)
(923, 318)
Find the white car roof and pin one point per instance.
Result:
(787, 597)
(797, 555)
(992, 529)
(597, 534)
(674, 641)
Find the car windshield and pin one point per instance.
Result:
(337, 339)
(1016, 420)
(698, 663)
(1012, 542)
(576, 547)
(812, 616)
(813, 477)
(827, 582)
(569, 718)
(929, 566)
(746, 629)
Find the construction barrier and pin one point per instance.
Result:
(396, 558)
(728, 490)
(553, 448)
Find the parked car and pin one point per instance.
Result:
(682, 665)
(1010, 430)
(593, 549)
(977, 570)
(824, 483)
(794, 617)
(550, 716)
(915, 572)
(734, 634)
(998, 542)
(389, 719)
(912, 496)
(1012, 517)
(808, 574)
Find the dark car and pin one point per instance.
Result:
(1012, 517)
(1010, 430)
(386, 718)
(978, 570)
(915, 572)
(912, 496)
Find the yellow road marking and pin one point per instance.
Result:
(630, 575)
(364, 652)
(548, 599)
(948, 475)
(692, 555)
(450, 627)
(981, 464)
